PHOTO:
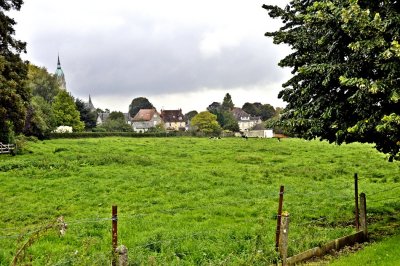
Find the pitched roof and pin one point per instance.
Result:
(172, 115)
(239, 114)
(144, 115)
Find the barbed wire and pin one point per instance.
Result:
(93, 220)
(251, 202)
(23, 234)
(188, 236)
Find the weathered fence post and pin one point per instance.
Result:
(283, 238)
(278, 223)
(122, 255)
(363, 215)
(114, 234)
(356, 202)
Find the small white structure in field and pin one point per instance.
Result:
(268, 133)
(63, 129)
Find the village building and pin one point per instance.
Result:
(245, 121)
(146, 119)
(101, 118)
(173, 120)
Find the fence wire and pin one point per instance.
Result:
(291, 193)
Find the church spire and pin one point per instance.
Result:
(58, 62)
(90, 105)
(60, 75)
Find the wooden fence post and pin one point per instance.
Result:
(363, 215)
(278, 223)
(114, 234)
(283, 238)
(356, 202)
(122, 255)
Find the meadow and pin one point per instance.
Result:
(188, 201)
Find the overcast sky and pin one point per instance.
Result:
(177, 53)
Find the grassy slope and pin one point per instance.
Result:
(188, 200)
(386, 252)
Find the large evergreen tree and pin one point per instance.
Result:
(345, 65)
(139, 103)
(87, 116)
(14, 96)
(223, 112)
(227, 103)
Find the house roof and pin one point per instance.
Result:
(172, 115)
(144, 115)
(239, 115)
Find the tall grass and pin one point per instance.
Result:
(187, 201)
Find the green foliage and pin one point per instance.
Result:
(65, 112)
(346, 64)
(278, 127)
(229, 122)
(159, 128)
(227, 103)
(224, 115)
(208, 202)
(40, 120)
(116, 116)
(86, 115)
(265, 111)
(382, 253)
(118, 125)
(139, 103)
(190, 115)
(42, 83)
(14, 96)
(206, 122)
(103, 134)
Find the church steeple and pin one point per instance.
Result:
(60, 75)
(90, 105)
(58, 62)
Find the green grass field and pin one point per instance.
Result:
(188, 201)
(386, 252)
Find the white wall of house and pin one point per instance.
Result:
(245, 125)
(175, 125)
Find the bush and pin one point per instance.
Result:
(21, 142)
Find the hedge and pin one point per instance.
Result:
(79, 135)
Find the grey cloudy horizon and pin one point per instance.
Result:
(177, 53)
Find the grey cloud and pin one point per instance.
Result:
(138, 61)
